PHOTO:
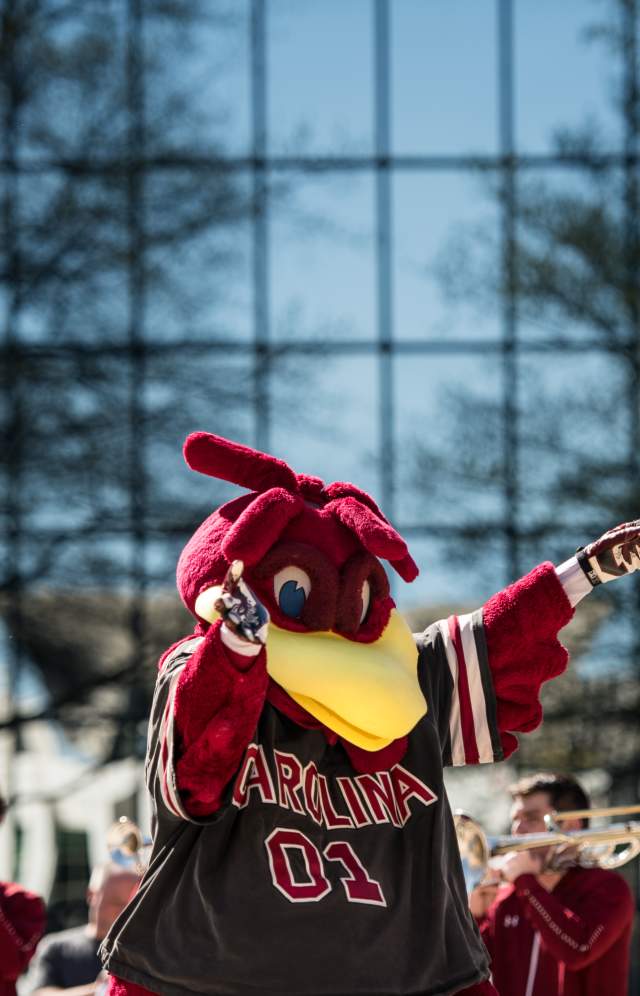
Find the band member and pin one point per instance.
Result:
(67, 962)
(22, 923)
(303, 842)
(554, 933)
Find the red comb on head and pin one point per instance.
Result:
(375, 533)
(238, 464)
(251, 536)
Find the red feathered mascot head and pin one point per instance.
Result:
(311, 553)
(310, 550)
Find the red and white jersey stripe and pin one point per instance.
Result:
(473, 736)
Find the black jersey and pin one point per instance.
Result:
(311, 878)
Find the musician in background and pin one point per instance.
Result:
(554, 933)
(22, 920)
(68, 961)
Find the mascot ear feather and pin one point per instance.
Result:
(376, 534)
(260, 525)
(218, 457)
(281, 497)
(406, 568)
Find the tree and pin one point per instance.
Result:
(121, 238)
(566, 429)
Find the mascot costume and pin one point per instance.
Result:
(303, 843)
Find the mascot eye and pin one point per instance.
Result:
(366, 598)
(291, 587)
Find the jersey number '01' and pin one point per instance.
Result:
(358, 886)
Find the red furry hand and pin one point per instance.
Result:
(240, 609)
(615, 554)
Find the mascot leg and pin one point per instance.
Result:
(119, 987)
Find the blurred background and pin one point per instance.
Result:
(394, 242)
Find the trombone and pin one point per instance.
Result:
(607, 847)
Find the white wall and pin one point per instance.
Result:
(85, 800)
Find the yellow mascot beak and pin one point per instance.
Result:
(367, 693)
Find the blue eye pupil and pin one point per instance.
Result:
(291, 599)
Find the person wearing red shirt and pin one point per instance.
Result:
(22, 922)
(554, 933)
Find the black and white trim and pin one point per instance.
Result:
(473, 731)
(164, 700)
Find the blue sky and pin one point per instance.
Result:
(443, 55)
(444, 101)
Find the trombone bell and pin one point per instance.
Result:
(126, 845)
(474, 849)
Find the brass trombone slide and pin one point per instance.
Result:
(586, 814)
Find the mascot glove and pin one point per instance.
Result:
(615, 554)
(242, 612)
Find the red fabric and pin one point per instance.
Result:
(585, 932)
(220, 695)
(248, 527)
(319, 610)
(218, 457)
(341, 489)
(22, 922)
(317, 527)
(521, 625)
(260, 525)
(376, 534)
(202, 562)
(120, 987)
(406, 568)
(229, 461)
(467, 721)
(360, 568)
(230, 532)
(219, 698)
(334, 601)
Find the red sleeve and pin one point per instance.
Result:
(521, 625)
(577, 937)
(219, 698)
(485, 926)
(22, 922)
(487, 923)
